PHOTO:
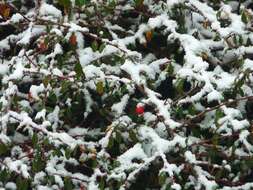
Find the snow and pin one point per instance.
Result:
(41, 114)
(136, 152)
(120, 106)
(133, 70)
(105, 140)
(4, 69)
(12, 90)
(27, 36)
(75, 28)
(92, 71)
(248, 64)
(162, 20)
(176, 186)
(57, 72)
(53, 117)
(16, 74)
(77, 131)
(202, 179)
(59, 181)
(36, 90)
(225, 81)
(207, 53)
(162, 109)
(5, 139)
(16, 18)
(47, 9)
(237, 26)
(214, 95)
(11, 186)
(157, 143)
(4, 44)
(58, 49)
(190, 157)
(17, 166)
(64, 137)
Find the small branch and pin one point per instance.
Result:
(17, 11)
(201, 114)
(28, 58)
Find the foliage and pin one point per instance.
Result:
(141, 94)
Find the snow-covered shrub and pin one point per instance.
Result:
(117, 94)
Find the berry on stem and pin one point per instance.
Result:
(139, 109)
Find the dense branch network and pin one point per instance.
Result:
(100, 94)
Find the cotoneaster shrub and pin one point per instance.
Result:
(116, 94)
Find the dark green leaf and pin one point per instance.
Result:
(138, 2)
(22, 184)
(94, 45)
(3, 149)
(244, 17)
(162, 178)
(133, 136)
(80, 3)
(79, 70)
(65, 3)
(34, 139)
(102, 47)
(68, 184)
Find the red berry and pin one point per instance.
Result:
(139, 109)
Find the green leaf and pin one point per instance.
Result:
(248, 43)
(192, 110)
(79, 70)
(138, 2)
(112, 4)
(218, 114)
(118, 137)
(102, 47)
(240, 39)
(80, 3)
(244, 17)
(94, 163)
(133, 136)
(68, 153)
(52, 99)
(179, 112)
(46, 80)
(38, 163)
(4, 175)
(57, 152)
(94, 45)
(180, 86)
(101, 184)
(3, 148)
(22, 184)
(100, 87)
(68, 184)
(170, 69)
(65, 3)
(111, 142)
(34, 139)
(241, 92)
(162, 178)
(215, 140)
(196, 132)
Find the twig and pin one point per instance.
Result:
(201, 114)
